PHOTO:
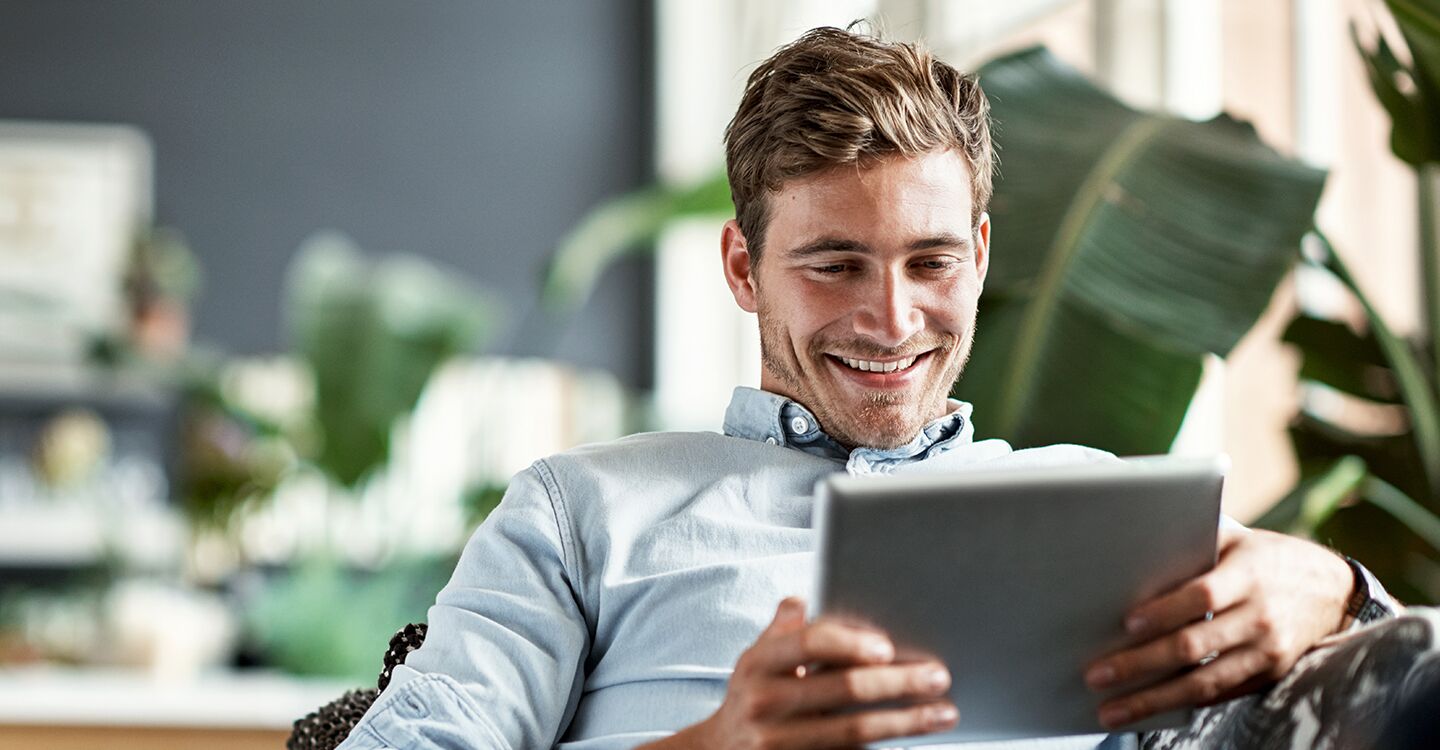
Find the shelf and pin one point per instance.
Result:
(61, 537)
(125, 698)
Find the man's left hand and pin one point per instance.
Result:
(1273, 597)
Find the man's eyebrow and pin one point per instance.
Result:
(941, 240)
(828, 245)
(836, 245)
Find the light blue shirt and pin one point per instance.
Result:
(604, 602)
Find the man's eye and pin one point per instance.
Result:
(938, 264)
(833, 268)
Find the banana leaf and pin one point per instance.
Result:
(1127, 245)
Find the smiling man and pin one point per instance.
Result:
(645, 590)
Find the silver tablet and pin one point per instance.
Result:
(1015, 579)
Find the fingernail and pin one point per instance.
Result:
(877, 649)
(941, 715)
(1135, 624)
(938, 679)
(1100, 676)
(1114, 716)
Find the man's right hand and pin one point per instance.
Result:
(772, 701)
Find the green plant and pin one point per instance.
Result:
(1358, 484)
(1374, 491)
(372, 333)
(1128, 245)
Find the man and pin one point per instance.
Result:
(628, 592)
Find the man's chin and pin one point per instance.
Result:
(879, 436)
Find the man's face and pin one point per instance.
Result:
(866, 291)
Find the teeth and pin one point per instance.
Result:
(866, 365)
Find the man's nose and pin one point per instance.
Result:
(888, 314)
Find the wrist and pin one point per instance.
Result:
(1368, 601)
(1347, 585)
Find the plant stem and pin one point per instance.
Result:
(1428, 178)
(1415, 517)
(1329, 491)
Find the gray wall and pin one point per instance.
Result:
(473, 133)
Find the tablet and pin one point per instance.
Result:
(1015, 578)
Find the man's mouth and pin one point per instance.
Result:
(871, 365)
(880, 372)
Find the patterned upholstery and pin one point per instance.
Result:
(326, 727)
(1341, 696)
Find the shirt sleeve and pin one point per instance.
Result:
(502, 663)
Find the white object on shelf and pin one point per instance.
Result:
(69, 535)
(121, 698)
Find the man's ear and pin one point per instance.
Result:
(982, 247)
(735, 258)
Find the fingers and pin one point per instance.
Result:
(842, 688)
(1183, 648)
(1216, 591)
(826, 642)
(1203, 686)
(850, 730)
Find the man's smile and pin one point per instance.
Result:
(888, 373)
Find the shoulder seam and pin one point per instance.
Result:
(562, 515)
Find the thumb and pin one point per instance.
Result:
(789, 614)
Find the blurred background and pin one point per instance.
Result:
(289, 290)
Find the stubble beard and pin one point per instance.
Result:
(884, 419)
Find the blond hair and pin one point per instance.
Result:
(834, 97)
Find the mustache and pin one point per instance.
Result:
(860, 348)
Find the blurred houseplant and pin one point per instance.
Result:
(369, 334)
(1368, 437)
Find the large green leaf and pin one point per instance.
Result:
(1135, 394)
(1126, 246)
(372, 332)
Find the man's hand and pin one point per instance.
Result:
(1273, 597)
(772, 702)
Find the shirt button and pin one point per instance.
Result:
(771, 441)
(799, 425)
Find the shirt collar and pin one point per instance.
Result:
(766, 417)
